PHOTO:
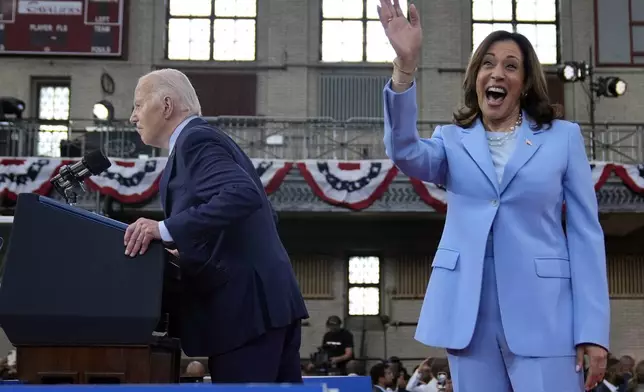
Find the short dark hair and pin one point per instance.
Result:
(355, 366)
(377, 371)
(535, 102)
(333, 321)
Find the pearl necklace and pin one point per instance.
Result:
(510, 134)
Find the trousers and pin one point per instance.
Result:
(274, 357)
(488, 364)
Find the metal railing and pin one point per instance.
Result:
(275, 138)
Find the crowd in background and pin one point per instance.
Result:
(623, 374)
(8, 369)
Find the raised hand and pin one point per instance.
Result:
(405, 36)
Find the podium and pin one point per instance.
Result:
(77, 309)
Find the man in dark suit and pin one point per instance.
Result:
(241, 304)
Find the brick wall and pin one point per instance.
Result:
(289, 31)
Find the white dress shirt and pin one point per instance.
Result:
(414, 384)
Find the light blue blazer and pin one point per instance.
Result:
(552, 286)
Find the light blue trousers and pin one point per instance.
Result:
(487, 363)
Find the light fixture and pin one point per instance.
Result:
(12, 106)
(579, 71)
(610, 87)
(103, 111)
(573, 71)
(597, 87)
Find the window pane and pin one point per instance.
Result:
(234, 40)
(199, 39)
(179, 39)
(482, 30)
(502, 9)
(189, 39)
(536, 10)
(481, 9)
(178, 50)
(236, 8)
(364, 301)
(53, 103)
(337, 9)
(49, 137)
(364, 270)
(544, 39)
(190, 7)
(372, 10)
(341, 41)
(378, 47)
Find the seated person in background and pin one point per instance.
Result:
(355, 368)
(400, 374)
(195, 369)
(7, 371)
(308, 369)
(636, 383)
(338, 343)
(626, 365)
(613, 378)
(402, 380)
(381, 377)
(424, 378)
(195, 372)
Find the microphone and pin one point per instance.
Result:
(71, 177)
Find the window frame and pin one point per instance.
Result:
(514, 22)
(211, 39)
(364, 21)
(366, 285)
(38, 83)
(634, 53)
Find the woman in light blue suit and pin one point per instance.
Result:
(515, 299)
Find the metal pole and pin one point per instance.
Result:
(591, 91)
(384, 336)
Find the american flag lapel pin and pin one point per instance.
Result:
(528, 142)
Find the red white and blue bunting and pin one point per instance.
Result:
(272, 172)
(351, 184)
(355, 184)
(28, 175)
(129, 180)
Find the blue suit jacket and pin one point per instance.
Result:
(236, 275)
(552, 286)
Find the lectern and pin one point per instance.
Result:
(80, 311)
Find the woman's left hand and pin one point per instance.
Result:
(598, 357)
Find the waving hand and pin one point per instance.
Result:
(405, 36)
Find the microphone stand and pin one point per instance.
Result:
(68, 184)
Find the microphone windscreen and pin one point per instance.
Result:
(96, 162)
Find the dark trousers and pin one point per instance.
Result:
(271, 358)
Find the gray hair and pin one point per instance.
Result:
(175, 84)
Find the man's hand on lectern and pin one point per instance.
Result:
(139, 235)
